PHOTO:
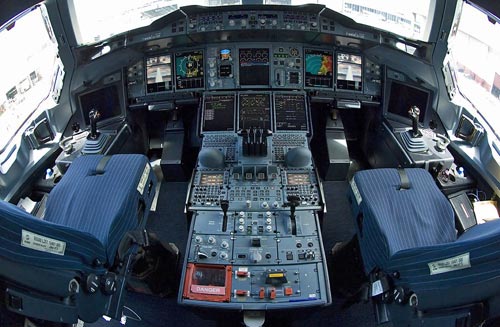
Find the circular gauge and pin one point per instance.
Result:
(294, 52)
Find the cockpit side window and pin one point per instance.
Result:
(474, 48)
(30, 68)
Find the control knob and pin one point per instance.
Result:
(255, 256)
(223, 255)
(198, 239)
(224, 244)
(211, 240)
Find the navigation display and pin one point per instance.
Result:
(349, 72)
(158, 74)
(189, 70)
(218, 113)
(319, 68)
(105, 100)
(290, 111)
(254, 66)
(254, 111)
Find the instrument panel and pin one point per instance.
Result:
(251, 66)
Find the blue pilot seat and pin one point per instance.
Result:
(420, 271)
(73, 264)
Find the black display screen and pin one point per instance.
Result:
(403, 97)
(189, 70)
(105, 100)
(158, 74)
(290, 111)
(319, 68)
(254, 111)
(218, 113)
(254, 66)
(349, 72)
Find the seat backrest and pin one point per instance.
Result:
(29, 240)
(103, 198)
(396, 219)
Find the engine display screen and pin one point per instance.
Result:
(158, 74)
(319, 68)
(290, 112)
(349, 72)
(254, 111)
(218, 113)
(189, 70)
(254, 66)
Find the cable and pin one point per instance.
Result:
(136, 317)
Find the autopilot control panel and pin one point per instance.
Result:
(255, 202)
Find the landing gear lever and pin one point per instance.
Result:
(414, 113)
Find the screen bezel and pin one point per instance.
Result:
(271, 112)
(390, 116)
(333, 69)
(275, 113)
(121, 99)
(172, 67)
(184, 51)
(337, 71)
(235, 102)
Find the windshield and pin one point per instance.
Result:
(29, 54)
(410, 19)
(478, 71)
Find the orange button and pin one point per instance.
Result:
(272, 293)
(288, 291)
(262, 293)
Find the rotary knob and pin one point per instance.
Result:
(224, 244)
(255, 256)
(211, 240)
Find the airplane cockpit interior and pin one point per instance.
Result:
(249, 163)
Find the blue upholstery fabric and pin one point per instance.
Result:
(405, 230)
(81, 248)
(104, 205)
(396, 220)
(90, 212)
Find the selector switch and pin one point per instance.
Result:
(211, 240)
(224, 244)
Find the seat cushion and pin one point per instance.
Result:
(397, 219)
(103, 203)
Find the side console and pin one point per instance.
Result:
(255, 203)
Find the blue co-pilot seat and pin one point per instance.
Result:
(420, 271)
(66, 267)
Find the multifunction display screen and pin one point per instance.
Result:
(254, 111)
(290, 111)
(218, 113)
